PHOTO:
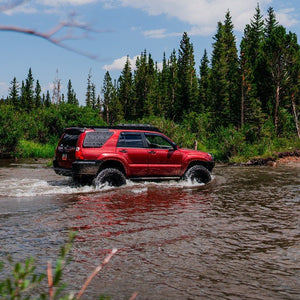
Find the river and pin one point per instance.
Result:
(236, 238)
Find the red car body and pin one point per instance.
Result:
(139, 152)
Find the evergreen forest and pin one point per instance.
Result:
(238, 104)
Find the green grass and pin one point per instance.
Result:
(30, 149)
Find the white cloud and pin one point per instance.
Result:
(284, 17)
(3, 89)
(159, 33)
(119, 63)
(67, 2)
(203, 15)
(25, 8)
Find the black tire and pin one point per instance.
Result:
(198, 174)
(111, 177)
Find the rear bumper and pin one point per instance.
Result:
(82, 167)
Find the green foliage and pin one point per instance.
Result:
(30, 149)
(35, 133)
(24, 283)
(237, 106)
(24, 280)
(10, 130)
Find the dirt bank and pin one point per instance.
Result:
(277, 158)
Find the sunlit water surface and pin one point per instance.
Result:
(235, 238)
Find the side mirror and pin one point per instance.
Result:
(175, 146)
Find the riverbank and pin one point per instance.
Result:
(272, 161)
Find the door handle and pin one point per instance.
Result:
(123, 151)
(152, 152)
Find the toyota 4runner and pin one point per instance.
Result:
(110, 155)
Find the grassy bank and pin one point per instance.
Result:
(31, 149)
(233, 150)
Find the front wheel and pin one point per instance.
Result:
(198, 174)
(111, 177)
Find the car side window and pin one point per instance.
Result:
(158, 141)
(130, 140)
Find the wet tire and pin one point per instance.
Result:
(197, 174)
(111, 177)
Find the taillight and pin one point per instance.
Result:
(78, 153)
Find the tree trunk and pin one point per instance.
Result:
(243, 103)
(277, 106)
(295, 115)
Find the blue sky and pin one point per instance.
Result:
(118, 28)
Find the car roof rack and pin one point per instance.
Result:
(146, 127)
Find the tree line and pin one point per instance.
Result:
(248, 88)
(244, 95)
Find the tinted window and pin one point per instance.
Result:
(130, 140)
(69, 140)
(96, 139)
(157, 141)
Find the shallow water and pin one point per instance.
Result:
(235, 238)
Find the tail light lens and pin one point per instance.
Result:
(78, 154)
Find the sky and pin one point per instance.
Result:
(107, 31)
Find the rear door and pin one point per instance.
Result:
(65, 152)
(132, 148)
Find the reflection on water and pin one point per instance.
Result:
(235, 238)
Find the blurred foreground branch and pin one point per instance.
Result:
(55, 35)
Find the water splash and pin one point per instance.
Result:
(30, 187)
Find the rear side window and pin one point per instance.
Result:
(130, 140)
(69, 140)
(96, 139)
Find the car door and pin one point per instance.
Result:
(132, 148)
(163, 158)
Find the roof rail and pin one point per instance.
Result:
(146, 127)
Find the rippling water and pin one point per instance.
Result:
(235, 238)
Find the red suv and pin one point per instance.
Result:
(110, 155)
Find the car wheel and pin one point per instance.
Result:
(198, 174)
(111, 177)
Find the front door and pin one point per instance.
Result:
(163, 158)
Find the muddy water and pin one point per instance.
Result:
(235, 238)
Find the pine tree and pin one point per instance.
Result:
(108, 91)
(251, 61)
(28, 93)
(225, 76)
(173, 87)
(163, 86)
(88, 99)
(292, 83)
(143, 80)
(93, 96)
(188, 84)
(14, 98)
(37, 95)
(278, 52)
(71, 95)
(47, 102)
(204, 84)
(125, 91)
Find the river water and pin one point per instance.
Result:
(235, 238)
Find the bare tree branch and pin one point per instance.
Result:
(51, 35)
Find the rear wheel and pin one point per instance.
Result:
(111, 177)
(198, 174)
